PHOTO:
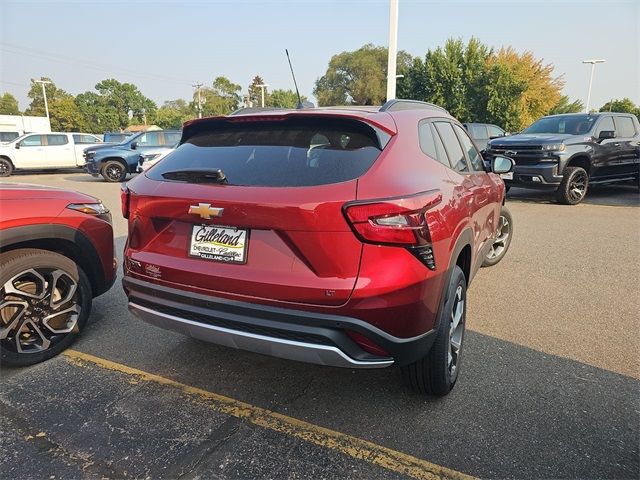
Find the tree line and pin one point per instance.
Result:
(474, 82)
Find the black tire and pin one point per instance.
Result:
(504, 234)
(574, 185)
(114, 171)
(432, 374)
(60, 275)
(6, 167)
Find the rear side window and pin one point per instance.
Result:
(431, 144)
(171, 138)
(495, 131)
(284, 153)
(452, 145)
(478, 131)
(53, 140)
(625, 127)
(8, 136)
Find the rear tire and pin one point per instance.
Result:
(6, 167)
(574, 185)
(504, 234)
(45, 299)
(114, 171)
(437, 372)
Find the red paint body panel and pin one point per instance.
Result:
(303, 253)
(23, 205)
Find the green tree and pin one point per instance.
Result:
(284, 99)
(564, 105)
(98, 116)
(126, 103)
(64, 114)
(625, 105)
(222, 98)
(9, 105)
(358, 77)
(173, 113)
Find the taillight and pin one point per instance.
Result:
(124, 199)
(393, 221)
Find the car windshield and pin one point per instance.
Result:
(563, 124)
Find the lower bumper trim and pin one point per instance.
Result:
(276, 347)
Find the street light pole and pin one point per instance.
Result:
(593, 66)
(262, 87)
(197, 86)
(393, 49)
(44, 94)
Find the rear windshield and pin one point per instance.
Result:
(287, 153)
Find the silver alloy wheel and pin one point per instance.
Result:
(502, 234)
(578, 186)
(38, 308)
(4, 169)
(456, 331)
(114, 172)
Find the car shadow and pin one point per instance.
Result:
(610, 195)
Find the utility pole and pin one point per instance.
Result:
(393, 49)
(198, 86)
(593, 66)
(44, 94)
(262, 87)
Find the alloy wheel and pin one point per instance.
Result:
(456, 331)
(578, 186)
(113, 172)
(502, 235)
(38, 308)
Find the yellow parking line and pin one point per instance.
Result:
(352, 446)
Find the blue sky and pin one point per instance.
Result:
(164, 46)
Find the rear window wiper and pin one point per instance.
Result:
(197, 175)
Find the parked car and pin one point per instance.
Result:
(116, 161)
(483, 132)
(150, 158)
(44, 151)
(569, 152)
(56, 255)
(344, 237)
(116, 137)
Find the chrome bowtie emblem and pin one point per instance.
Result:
(510, 152)
(205, 210)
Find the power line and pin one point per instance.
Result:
(35, 53)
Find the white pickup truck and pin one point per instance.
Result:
(39, 151)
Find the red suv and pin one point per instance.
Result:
(56, 254)
(339, 236)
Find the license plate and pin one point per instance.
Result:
(218, 243)
(507, 176)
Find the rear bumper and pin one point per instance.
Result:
(280, 332)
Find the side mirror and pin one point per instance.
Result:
(500, 164)
(17, 145)
(606, 134)
(134, 145)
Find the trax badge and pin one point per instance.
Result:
(205, 210)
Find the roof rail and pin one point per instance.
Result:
(398, 104)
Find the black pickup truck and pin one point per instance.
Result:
(569, 152)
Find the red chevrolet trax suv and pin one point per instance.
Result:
(56, 254)
(339, 236)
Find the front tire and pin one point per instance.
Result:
(574, 185)
(6, 167)
(437, 372)
(114, 171)
(504, 234)
(45, 300)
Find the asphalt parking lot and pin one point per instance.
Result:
(550, 386)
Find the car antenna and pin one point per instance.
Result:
(300, 105)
